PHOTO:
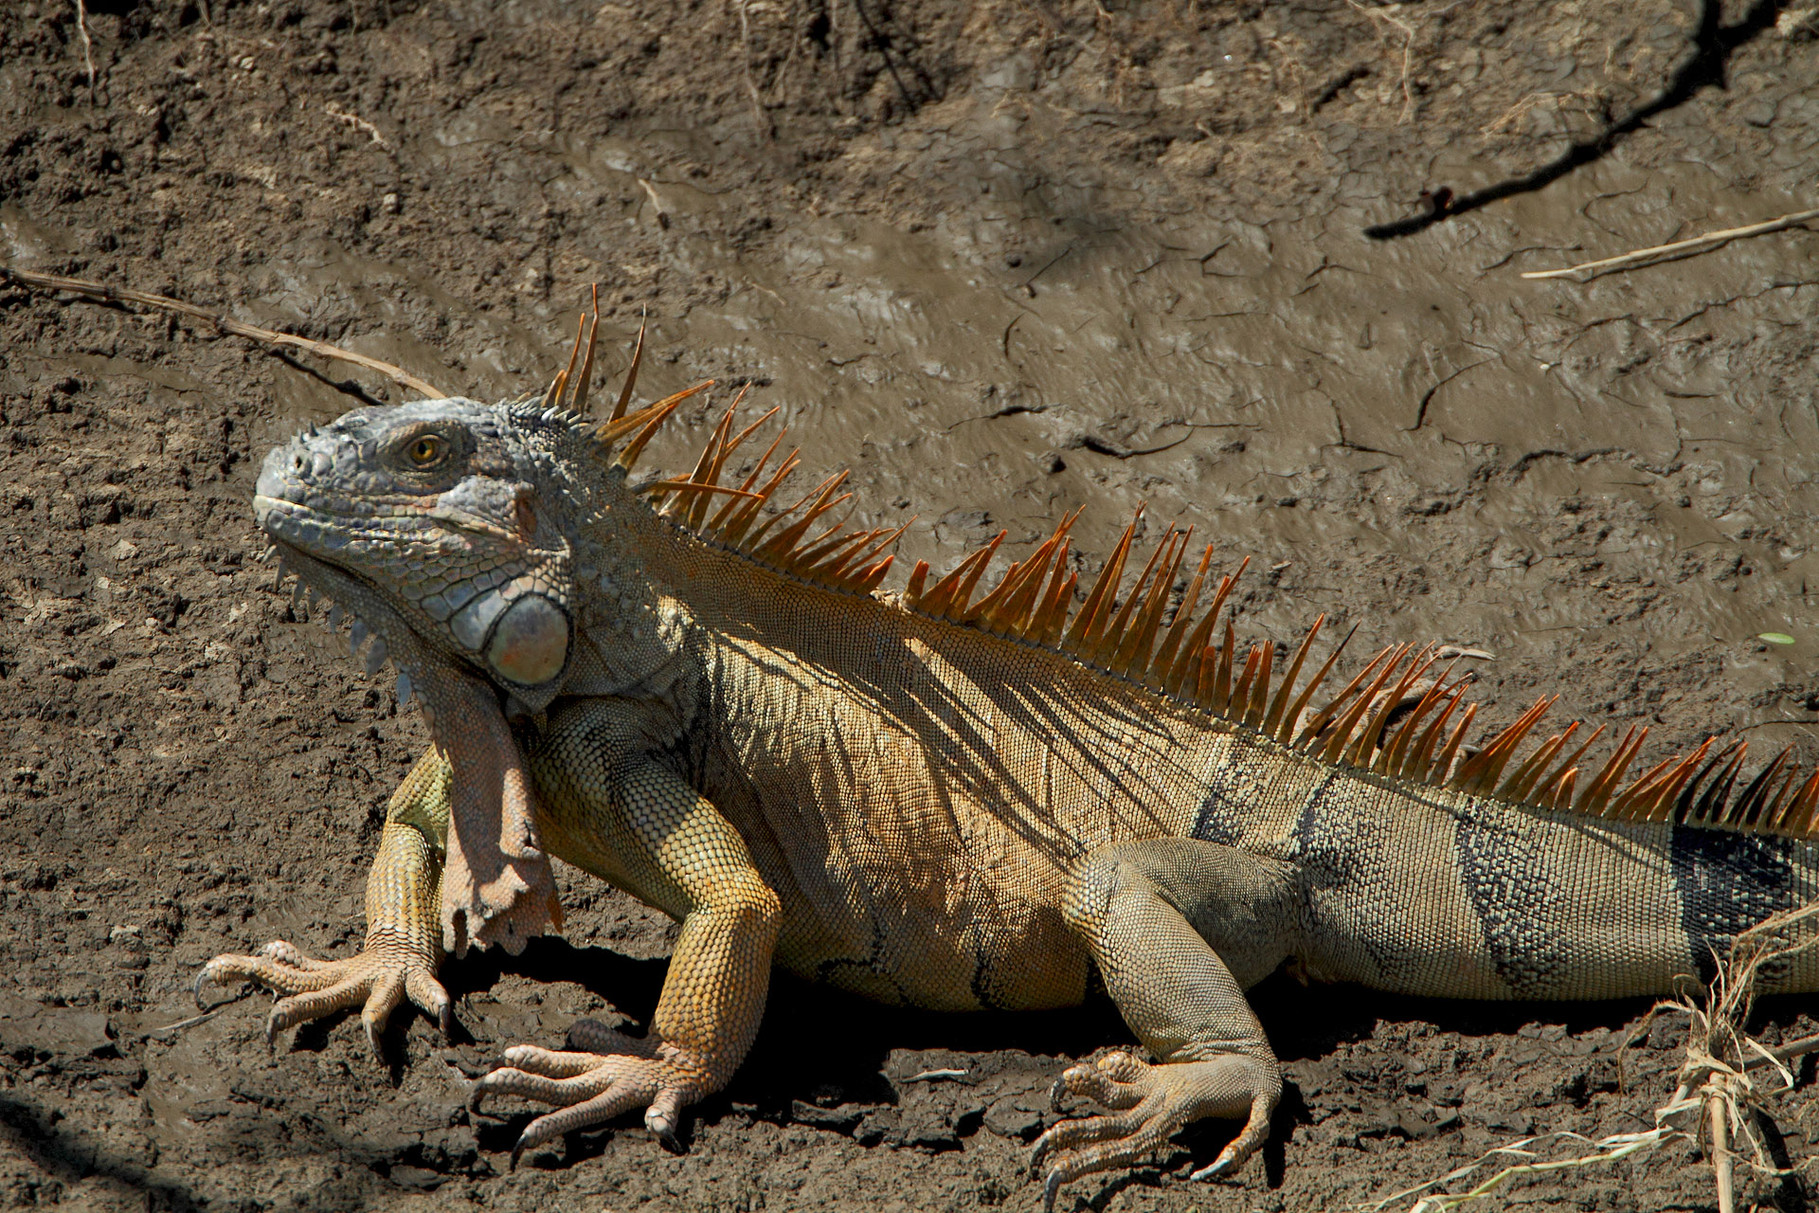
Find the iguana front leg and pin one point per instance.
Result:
(616, 811)
(1178, 928)
(403, 946)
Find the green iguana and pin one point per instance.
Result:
(945, 797)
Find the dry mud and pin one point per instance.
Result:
(1002, 260)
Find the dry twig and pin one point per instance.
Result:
(107, 294)
(1679, 248)
(88, 47)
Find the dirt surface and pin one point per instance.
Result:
(1002, 259)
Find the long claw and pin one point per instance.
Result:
(201, 980)
(1051, 1187)
(672, 1143)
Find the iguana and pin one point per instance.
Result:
(945, 797)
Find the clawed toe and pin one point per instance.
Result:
(589, 1088)
(1148, 1103)
(377, 981)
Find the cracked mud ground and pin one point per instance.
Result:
(1003, 260)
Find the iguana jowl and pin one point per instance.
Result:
(948, 798)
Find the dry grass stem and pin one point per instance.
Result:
(765, 130)
(1715, 1094)
(107, 294)
(1679, 248)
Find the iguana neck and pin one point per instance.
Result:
(634, 614)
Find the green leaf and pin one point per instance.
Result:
(1775, 637)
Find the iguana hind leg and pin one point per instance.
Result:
(625, 817)
(403, 946)
(1178, 928)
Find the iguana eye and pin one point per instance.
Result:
(426, 451)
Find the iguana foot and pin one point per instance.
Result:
(1149, 1102)
(614, 1074)
(380, 977)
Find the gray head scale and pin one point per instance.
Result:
(438, 524)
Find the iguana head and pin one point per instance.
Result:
(439, 524)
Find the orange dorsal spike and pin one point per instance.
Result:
(738, 528)
(1391, 757)
(964, 592)
(1444, 763)
(816, 497)
(869, 578)
(1196, 652)
(721, 522)
(1597, 795)
(1011, 615)
(1481, 772)
(1548, 787)
(1291, 718)
(713, 457)
(1112, 639)
(553, 397)
(1344, 727)
(647, 421)
(1083, 636)
(999, 610)
(631, 377)
(1675, 780)
(1164, 661)
(993, 612)
(832, 549)
(940, 600)
(705, 464)
(1132, 658)
(1050, 611)
(1239, 702)
(1319, 720)
(1272, 721)
(1227, 657)
(1369, 739)
(586, 380)
(782, 547)
(1258, 702)
(871, 554)
(686, 488)
(1060, 598)
(725, 453)
(1419, 764)
(912, 593)
(1522, 780)
(1798, 820)
(553, 392)
(1747, 809)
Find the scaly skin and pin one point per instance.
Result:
(922, 812)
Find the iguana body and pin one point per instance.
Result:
(947, 799)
